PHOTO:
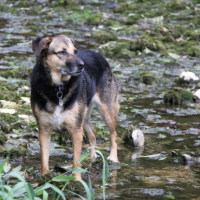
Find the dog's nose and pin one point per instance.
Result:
(81, 64)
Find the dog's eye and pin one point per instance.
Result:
(62, 53)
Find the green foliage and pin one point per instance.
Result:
(22, 188)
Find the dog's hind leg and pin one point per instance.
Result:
(109, 111)
(91, 133)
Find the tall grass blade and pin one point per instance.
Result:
(28, 186)
(104, 178)
(86, 189)
(63, 178)
(90, 187)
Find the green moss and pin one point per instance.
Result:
(132, 19)
(127, 136)
(3, 151)
(93, 19)
(62, 139)
(125, 7)
(104, 36)
(21, 72)
(177, 5)
(178, 96)
(148, 79)
(4, 126)
(18, 152)
(150, 43)
(3, 138)
(24, 4)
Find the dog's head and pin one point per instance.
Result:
(59, 53)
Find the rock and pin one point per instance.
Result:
(8, 104)
(138, 138)
(197, 93)
(8, 111)
(187, 158)
(187, 76)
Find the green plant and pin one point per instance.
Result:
(22, 188)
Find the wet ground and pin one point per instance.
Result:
(137, 38)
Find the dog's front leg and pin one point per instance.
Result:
(77, 138)
(44, 140)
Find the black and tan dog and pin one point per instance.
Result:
(65, 84)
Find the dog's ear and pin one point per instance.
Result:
(40, 44)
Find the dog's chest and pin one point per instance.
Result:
(56, 119)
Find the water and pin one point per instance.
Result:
(157, 177)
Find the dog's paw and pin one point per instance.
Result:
(112, 158)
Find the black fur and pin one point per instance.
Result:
(96, 75)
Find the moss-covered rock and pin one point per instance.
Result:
(178, 96)
(18, 152)
(104, 36)
(127, 136)
(3, 138)
(148, 79)
(4, 126)
(150, 43)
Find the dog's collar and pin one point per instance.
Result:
(59, 93)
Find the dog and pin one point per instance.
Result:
(65, 84)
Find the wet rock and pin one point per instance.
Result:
(3, 138)
(62, 168)
(133, 138)
(197, 94)
(178, 96)
(187, 76)
(138, 138)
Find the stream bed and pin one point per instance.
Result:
(160, 39)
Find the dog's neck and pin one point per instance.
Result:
(58, 78)
(53, 78)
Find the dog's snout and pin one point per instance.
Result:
(81, 64)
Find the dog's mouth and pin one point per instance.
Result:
(77, 73)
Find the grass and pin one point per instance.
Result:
(23, 190)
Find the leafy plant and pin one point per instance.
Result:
(23, 190)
